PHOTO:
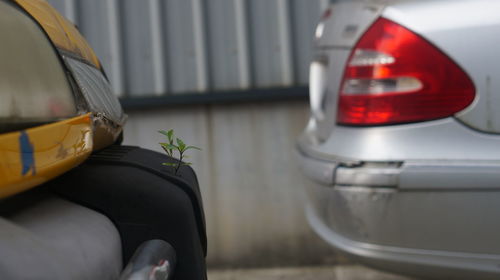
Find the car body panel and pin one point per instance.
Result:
(34, 156)
(61, 32)
(449, 138)
(324, 95)
(335, 35)
(459, 28)
(445, 139)
(437, 22)
(346, 23)
(58, 107)
(411, 175)
(33, 83)
(431, 264)
(90, 88)
(417, 198)
(381, 215)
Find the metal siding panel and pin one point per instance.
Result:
(102, 32)
(157, 46)
(116, 50)
(151, 47)
(200, 43)
(241, 14)
(266, 47)
(285, 39)
(139, 53)
(66, 8)
(71, 11)
(180, 46)
(223, 44)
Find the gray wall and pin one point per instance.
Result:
(252, 189)
(253, 192)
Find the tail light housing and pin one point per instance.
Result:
(395, 76)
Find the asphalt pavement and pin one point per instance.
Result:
(338, 272)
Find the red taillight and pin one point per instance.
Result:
(395, 76)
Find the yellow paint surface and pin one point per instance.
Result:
(61, 31)
(58, 147)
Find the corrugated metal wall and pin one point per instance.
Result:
(163, 47)
(252, 190)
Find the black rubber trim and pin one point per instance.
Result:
(179, 182)
(173, 179)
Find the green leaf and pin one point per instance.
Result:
(181, 145)
(180, 142)
(173, 147)
(163, 132)
(168, 146)
(169, 152)
(170, 135)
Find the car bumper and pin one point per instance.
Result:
(419, 218)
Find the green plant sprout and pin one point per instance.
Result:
(170, 147)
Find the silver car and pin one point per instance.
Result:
(404, 136)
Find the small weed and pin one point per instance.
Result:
(170, 147)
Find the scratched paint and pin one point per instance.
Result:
(27, 157)
(31, 157)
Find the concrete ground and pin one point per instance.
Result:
(338, 272)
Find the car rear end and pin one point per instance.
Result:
(403, 137)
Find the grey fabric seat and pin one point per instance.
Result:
(52, 238)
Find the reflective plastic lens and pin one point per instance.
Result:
(380, 86)
(33, 85)
(395, 76)
(370, 58)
